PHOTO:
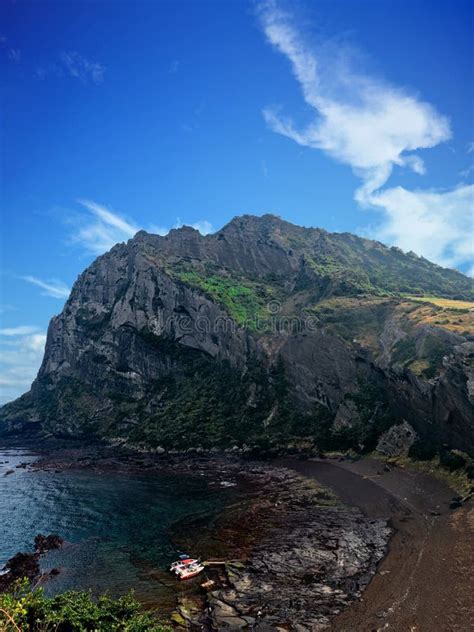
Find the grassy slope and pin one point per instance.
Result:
(418, 343)
(355, 265)
(445, 303)
(352, 286)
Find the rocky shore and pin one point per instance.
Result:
(27, 565)
(287, 555)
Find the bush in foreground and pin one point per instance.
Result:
(24, 610)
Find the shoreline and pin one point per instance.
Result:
(309, 560)
(424, 581)
(272, 581)
(292, 554)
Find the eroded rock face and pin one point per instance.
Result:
(397, 441)
(244, 337)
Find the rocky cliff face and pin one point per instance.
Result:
(263, 333)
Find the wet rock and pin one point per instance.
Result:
(26, 565)
(314, 561)
(310, 560)
(19, 566)
(44, 543)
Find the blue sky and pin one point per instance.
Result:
(349, 115)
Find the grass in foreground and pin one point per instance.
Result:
(24, 610)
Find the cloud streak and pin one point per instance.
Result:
(102, 228)
(203, 226)
(21, 353)
(22, 330)
(14, 54)
(78, 67)
(75, 66)
(51, 287)
(439, 225)
(373, 127)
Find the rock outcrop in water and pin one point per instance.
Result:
(261, 335)
(27, 565)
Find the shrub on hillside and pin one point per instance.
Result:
(26, 610)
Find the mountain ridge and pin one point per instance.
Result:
(270, 227)
(264, 333)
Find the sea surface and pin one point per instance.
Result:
(117, 526)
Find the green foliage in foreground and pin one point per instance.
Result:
(30, 611)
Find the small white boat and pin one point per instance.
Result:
(184, 560)
(189, 570)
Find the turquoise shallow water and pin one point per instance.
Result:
(117, 525)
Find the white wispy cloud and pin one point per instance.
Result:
(203, 226)
(50, 287)
(14, 54)
(111, 219)
(470, 147)
(465, 173)
(21, 330)
(79, 67)
(373, 127)
(102, 228)
(174, 67)
(158, 230)
(73, 65)
(6, 307)
(437, 224)
(21, 353)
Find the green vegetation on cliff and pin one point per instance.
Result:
(244, 299)
(372, 268)
(207, 405)
(328, 348)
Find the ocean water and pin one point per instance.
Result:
(118, 526)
